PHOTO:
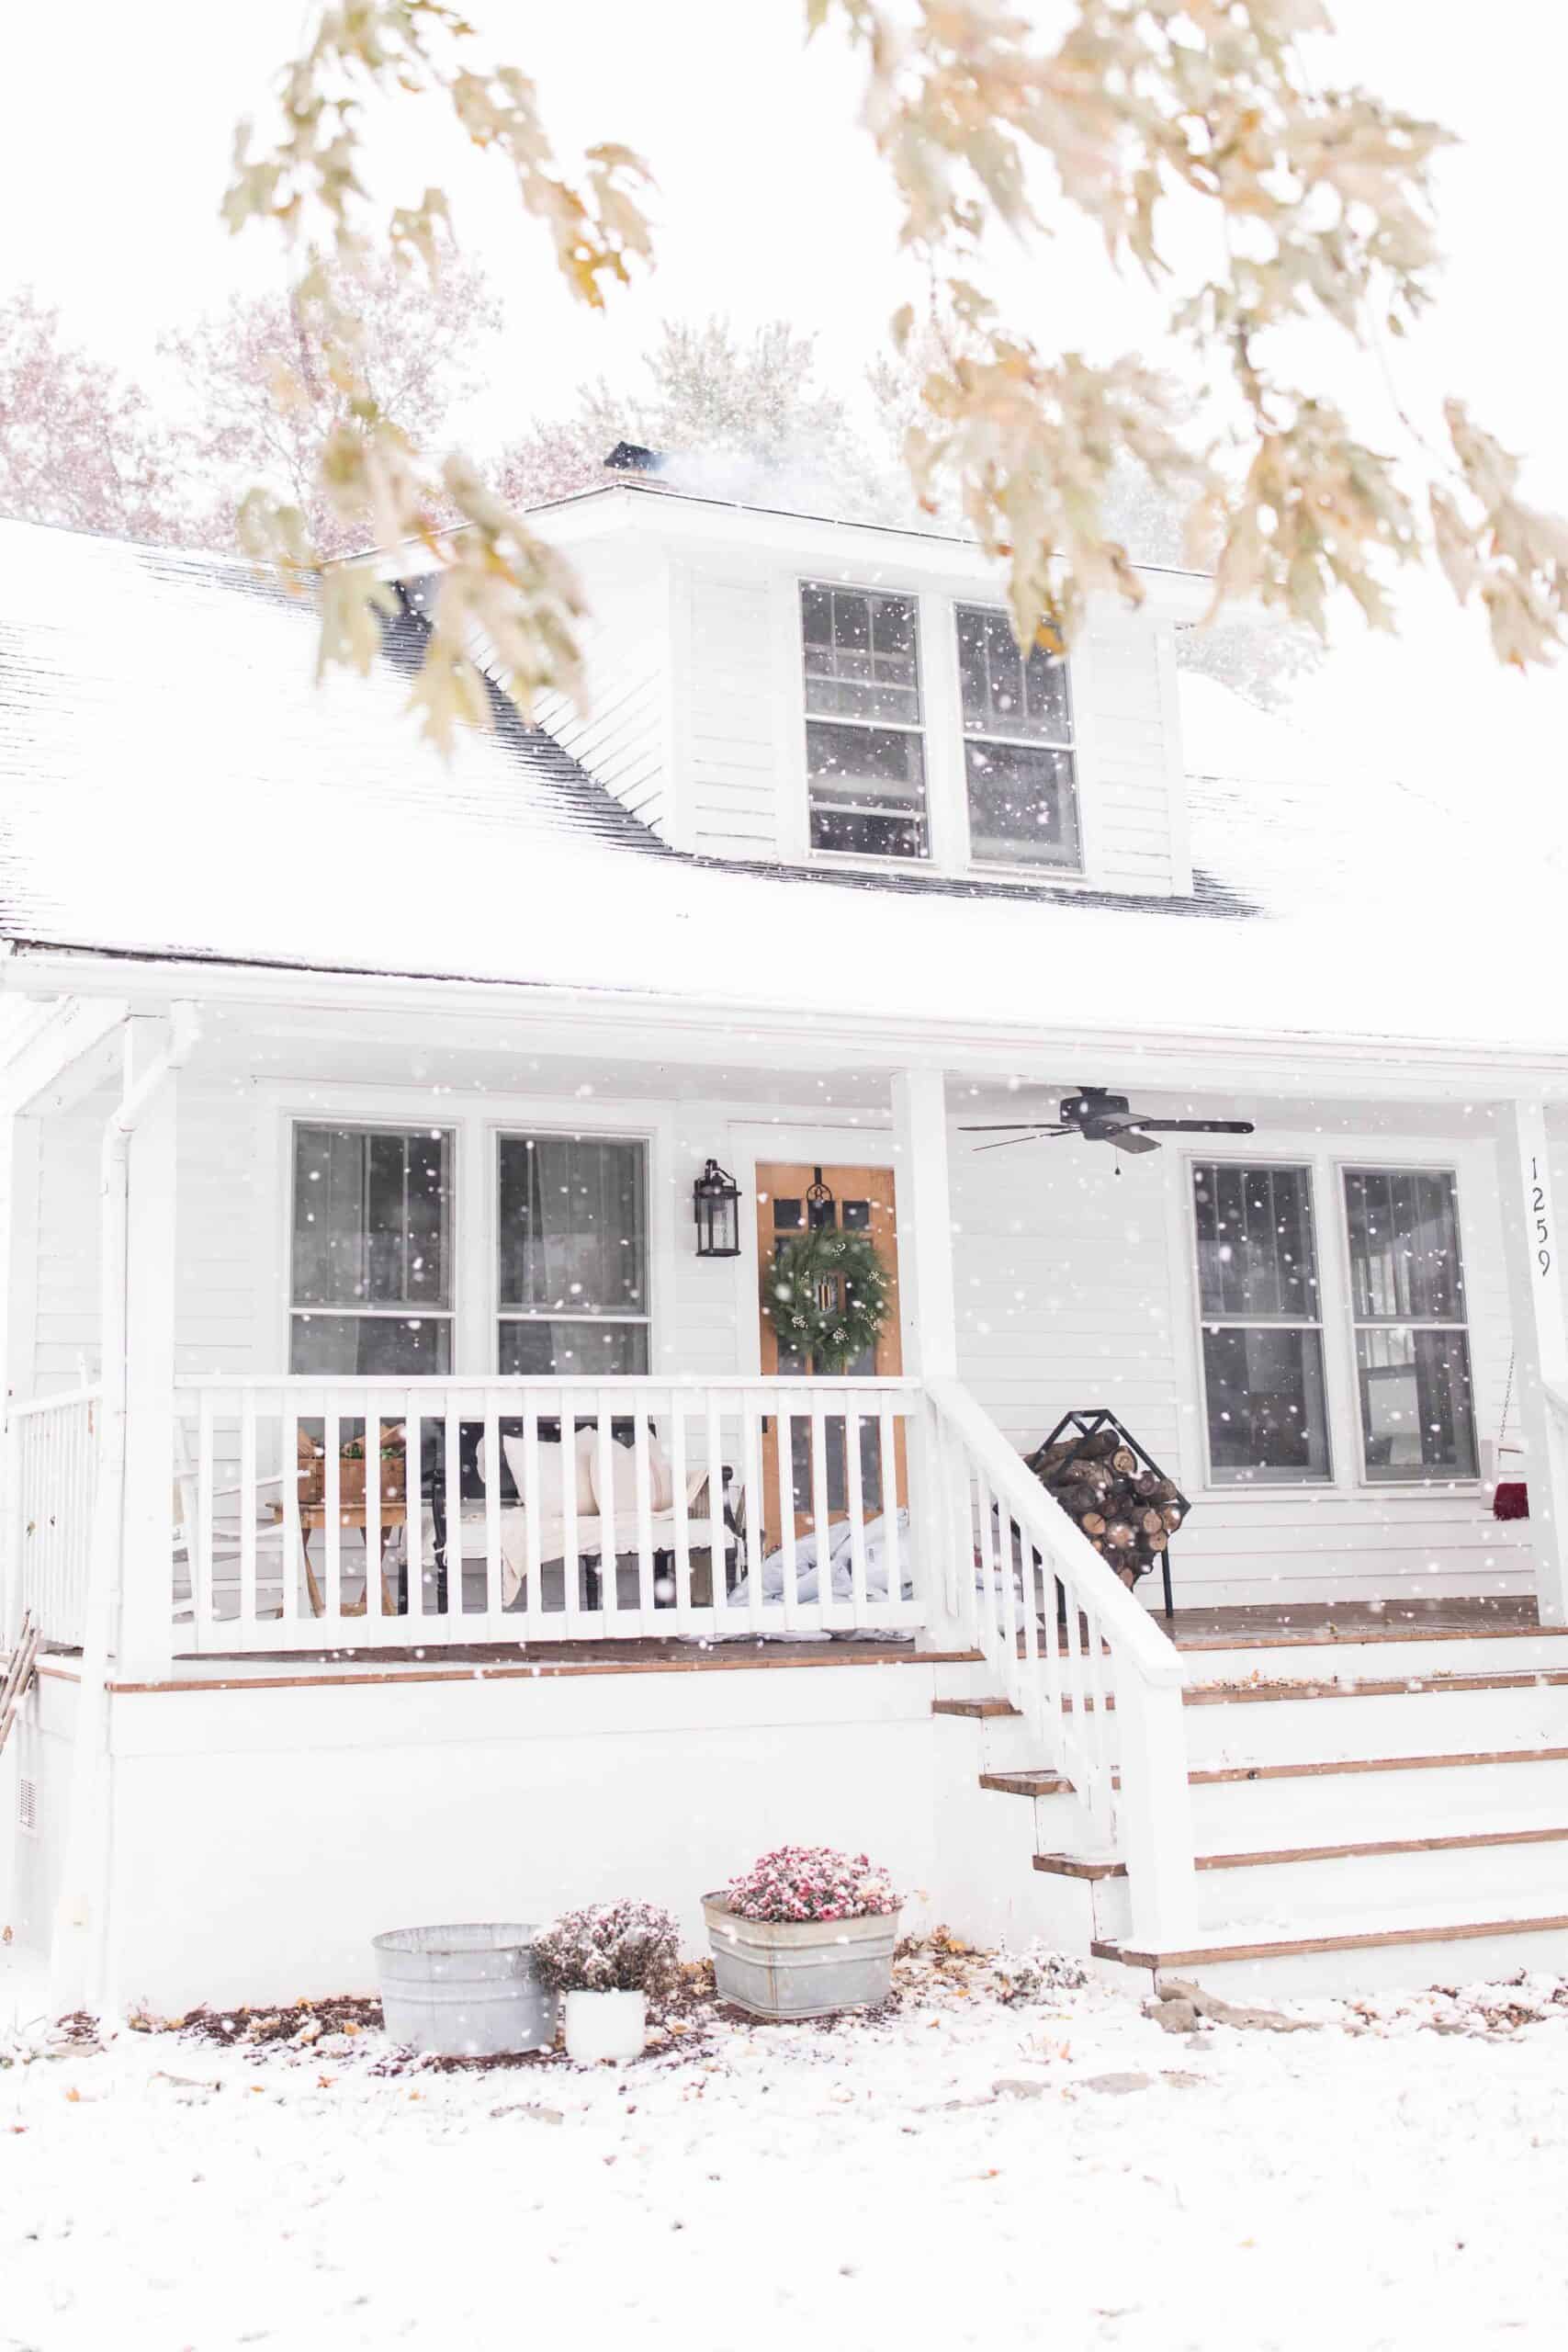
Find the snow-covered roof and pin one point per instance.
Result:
(172, 783)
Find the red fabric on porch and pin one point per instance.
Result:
(1512, 1499)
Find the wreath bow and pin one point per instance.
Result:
(826, 1296)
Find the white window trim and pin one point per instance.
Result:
(1029, 869)
(552, 1130)
(1323, 1482)
(369, 1124)
(281, 1104)
(1436, 1163)
(1465, 1160)
(947, 792)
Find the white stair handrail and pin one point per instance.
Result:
(1140, 1802)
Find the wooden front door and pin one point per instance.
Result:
(793, 1200)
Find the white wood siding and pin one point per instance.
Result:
(732, 765)
(623, 737)
(1124, 726)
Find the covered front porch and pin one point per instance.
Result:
(418, 1338)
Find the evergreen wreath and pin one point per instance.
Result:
(843, 1269)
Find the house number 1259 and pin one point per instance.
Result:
(1542, 1225)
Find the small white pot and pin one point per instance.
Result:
(605, 2025)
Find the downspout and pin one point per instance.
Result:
(80, 1948)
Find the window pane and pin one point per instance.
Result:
(1257, 1253)
(537, 1349)
(1405, 1256)
(1266, 1418)
(1022, 807)
(868, 790)
(861, 654)
(370, 1218)
(1416, 1413)
(1004, 694)
(372, 1346)
(572, 1225)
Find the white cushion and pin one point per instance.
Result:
(550, 1498)
(622, 1497)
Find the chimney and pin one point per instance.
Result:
(630, 458)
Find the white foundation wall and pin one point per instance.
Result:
(1075, 1289)
(263, 1837)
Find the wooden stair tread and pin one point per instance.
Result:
(1371, 1938)
(1045, 1782)
(1226, 1694)
(1439, 1842)
(980, 1707)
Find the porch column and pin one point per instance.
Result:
(928, 1315)
(1533, 1241)
(144, 1635)
(924, 1209)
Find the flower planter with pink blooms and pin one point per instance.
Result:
(805, 1931)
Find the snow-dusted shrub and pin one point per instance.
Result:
(811, 1883)
(1035, 1975)
(610, 1948)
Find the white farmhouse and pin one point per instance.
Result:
(421, 1511)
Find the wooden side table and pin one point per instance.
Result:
(314, 1516)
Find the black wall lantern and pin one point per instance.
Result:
(715, 1202)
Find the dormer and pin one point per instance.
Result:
(770, 687)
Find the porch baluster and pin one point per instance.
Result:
(754, 1406)
(643, 1490)
(784, 1466)
(413, 1519)
(714, 1438)
(854, 1487)
(248, 1505)
(452, 1481)
(495, 1597)
(679, 1477)
(609, 1583)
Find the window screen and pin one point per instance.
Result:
(371, 1251)
(865, 751)
(1261, 1332)
(572, 1256)
(1017, 746)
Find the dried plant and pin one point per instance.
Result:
(1320, 203)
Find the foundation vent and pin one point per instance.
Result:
(27, 1805)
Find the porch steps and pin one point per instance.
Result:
(1354, 1829)
(1462, 1947)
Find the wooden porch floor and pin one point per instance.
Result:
(1281, 1625)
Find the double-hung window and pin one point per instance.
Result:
(1412, 1343)
(1262, 1321)
(864, 749)
(371, 1255)
(572, 1255)
(1017, 746)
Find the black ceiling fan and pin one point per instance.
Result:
(1103, 1117)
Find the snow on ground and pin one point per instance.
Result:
(954, 2172)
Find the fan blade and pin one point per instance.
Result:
(1016, 1127)
(1195, 1126)
(1129, 1139)
(1042, 1135)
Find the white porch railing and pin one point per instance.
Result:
(1068, 1662)
(703, 1494)
(53, 1481)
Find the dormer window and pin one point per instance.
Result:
(1017, 746)
(864, 744)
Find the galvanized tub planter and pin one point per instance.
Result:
(468, 1991)
(800, 1968)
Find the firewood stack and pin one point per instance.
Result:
(1128, 1511)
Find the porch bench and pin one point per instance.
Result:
(716, 1535)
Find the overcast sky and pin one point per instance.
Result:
(114, 128)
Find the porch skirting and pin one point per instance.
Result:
(265, 1831)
